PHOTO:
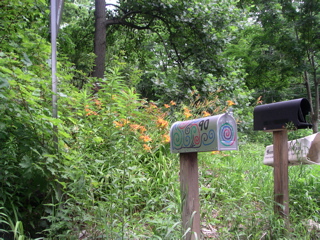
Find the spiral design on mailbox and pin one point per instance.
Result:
(204, 134)
(209, 138)
(177, 138)
(195, 134)
(192, 134)
(227, 134)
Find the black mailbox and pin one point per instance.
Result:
(275, 116)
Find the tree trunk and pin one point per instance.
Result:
(313, 112)
(315, 115)
(100, 38)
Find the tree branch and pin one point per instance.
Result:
(122, 21)
(116, 6)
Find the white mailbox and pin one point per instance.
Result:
(301, 151)
(215, 133)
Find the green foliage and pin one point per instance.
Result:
(201, 63)
(176, 45)
(236, 193)
(113, 176)
(114, 163)
(275, 48)
(75, 39)
(25, 123)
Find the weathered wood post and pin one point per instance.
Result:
(189, 189)
(188, 138)
(280, 173)
(277, 118)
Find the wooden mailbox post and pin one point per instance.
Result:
(188, 138)
(276, 118)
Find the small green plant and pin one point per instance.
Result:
(11, 227)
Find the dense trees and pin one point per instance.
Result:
(176, 44)
(289, 47)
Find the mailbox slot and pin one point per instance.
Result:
(276, 116)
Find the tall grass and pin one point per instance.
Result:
(237, 197)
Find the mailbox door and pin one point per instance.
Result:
(227, 133)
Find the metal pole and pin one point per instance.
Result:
(54, 57)
(56, 12)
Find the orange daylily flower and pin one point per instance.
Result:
(153, 105)
(187, 113)
(142, 129)
(89, 111)
(145, 138)
(121, 123)
(161, 123)
(135, 127)
(146, 147)
(118, 124)
(167, 106)
(166, 138)
(173, 103)
(97, 102)
(230, 103)
(206, 114)
(125, 121)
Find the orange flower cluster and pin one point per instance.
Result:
(121, 123)
(161, 123)
(166, 138)
(147, 147)
(230, 103)
(172, 103)
(206, 114)
(152, 105)
(137, 127)
(186, 112)
(89, 111)
(97, 102)
(145, 138)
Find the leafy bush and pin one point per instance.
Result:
(25, 136)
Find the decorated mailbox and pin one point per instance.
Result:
(204, 134)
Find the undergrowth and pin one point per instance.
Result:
(113, 176)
